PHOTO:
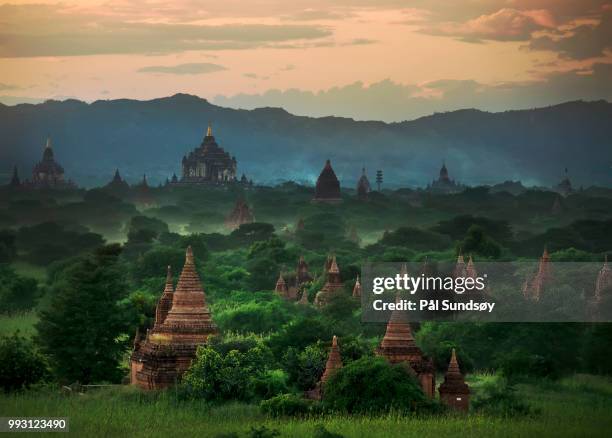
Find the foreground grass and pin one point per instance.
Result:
(580, 406)
(23, 322)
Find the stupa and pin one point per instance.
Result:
(328, 186)
(333, 364)
(182, 323)
(240, 215)
(454, 392)
(333, 284)
(398, 346)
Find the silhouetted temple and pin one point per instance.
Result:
(454, 392)
(47, 173)
(444, 185)
(142, 193)
(241, 214)
(398, 346)
(208, 163)
(327, 188)
(182, 323)
(333, 283)
(333, 364)
(564, 188)
(535, 285)
(15, 181)
(363, 186)
(117, 185)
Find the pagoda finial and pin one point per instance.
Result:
(334, 341)
(209, 130)
(48, 144)
(169, 277)
(189, 255)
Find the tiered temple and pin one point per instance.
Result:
(333, 364)
(444, 185)
(47, 173)
(117, 185)
(534, 286)
(564, 188)
(328, 186)
(182, 323)
(454, 392)
(142, 193)
(333, 283)
(208, 163)
(289, 285)
(363, 186)
(240, 215)
(398, 346)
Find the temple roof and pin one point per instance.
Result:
(453, 379)
(328, 186)
(48, 165)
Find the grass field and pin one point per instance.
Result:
(577, 406)
(24, 322)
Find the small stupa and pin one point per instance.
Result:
(454, 392)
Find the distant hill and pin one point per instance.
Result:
(271, 145)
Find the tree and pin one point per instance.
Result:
(477, 242)
(21, 365)
(81, 327)
(370, 385)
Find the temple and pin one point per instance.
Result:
(142, 193)
(289, 285)
(15, 182)
(454, 392)
(47, 173)
(398, 346)
(182, 323)
(208, 164)
(117, 185)
(327, 188)
(444, 185)
(333, 364)
(363, 186)
(535, 285)
(564, 188)
(333, 283)
(600, 306)
(240, 215)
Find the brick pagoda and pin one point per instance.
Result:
(454, 392)
(182, 323)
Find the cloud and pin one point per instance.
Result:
(30, 31)
(183, 69)
(250, 75)
(8, 87)
(390, 101)
(582, 42)
(503, 25)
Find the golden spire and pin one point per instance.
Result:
(209, 130)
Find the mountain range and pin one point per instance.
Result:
(271, 145)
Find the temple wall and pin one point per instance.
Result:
(459, 402)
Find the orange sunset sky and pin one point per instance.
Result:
(386, 59)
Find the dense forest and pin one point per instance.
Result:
(82, 270)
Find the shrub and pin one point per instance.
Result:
(370, 385)
(286, 405)
(498, 397)
(21, 365)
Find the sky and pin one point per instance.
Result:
(388, 60)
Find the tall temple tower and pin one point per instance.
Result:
(398, 346)
(240, 215)
(327, 188)
(333, 283)
(333, 364)
(182, 323)
(454, 392)
(534, 286)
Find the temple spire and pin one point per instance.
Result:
(209, 130)
(48, 144)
